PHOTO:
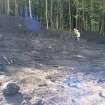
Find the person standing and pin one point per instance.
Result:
(77, 34)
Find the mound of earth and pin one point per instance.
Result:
(19, 24)
(93, 37)
(11, 24)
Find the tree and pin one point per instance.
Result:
(16, 8)
(8, 7)
(47, 14)
(30, 10)
(70, 17)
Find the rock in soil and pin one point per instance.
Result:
(10, 88)
(26, 103)
(27, 97)
(40, 102)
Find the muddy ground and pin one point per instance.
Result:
(43, 63)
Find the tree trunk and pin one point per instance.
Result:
(30, 9)
(47, 14)
(83, 15)
(91, 15)
(8, 7)
(51, 14)
(16, 8)
(77, 17)
(70, 23)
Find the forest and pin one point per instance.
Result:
(85, 15)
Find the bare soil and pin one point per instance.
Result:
(40, 63)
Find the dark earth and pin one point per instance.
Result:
(51, 66)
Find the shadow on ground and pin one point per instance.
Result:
(15, 99)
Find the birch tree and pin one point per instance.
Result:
(8, 7)
(47, 14)
(30, 9)
(70, 23)
(51, 18)
(16, 7)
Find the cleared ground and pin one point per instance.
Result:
(42, 64)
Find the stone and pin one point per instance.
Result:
(26, 103)
(10, 88)
(1, 36)
(39, 102)
(42, 85)
(1, 82)
(101, 94)
(101, 81)
(73, 81)
(27, 97)
(2, 67)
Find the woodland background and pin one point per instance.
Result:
(85, 15)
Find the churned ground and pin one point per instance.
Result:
(53, 67)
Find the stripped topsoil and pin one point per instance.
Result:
(43, 63)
